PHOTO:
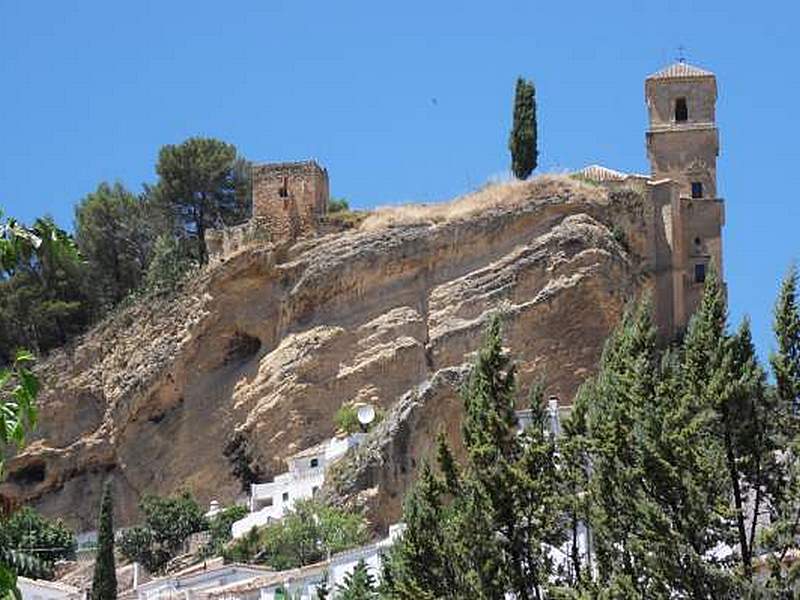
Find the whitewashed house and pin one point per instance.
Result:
(525, 417)
(196, 582)
(302, 583)
(270, 501)
(40, 589)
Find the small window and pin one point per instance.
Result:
(681, 111)
(285, 496)
(699, 273)
(314, 490)
(697, 189)
(283, 191)
(314, 462)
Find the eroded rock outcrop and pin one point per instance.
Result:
(271, 341)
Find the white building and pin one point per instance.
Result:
(525, 417)
(302, 583)
(270, 501)
(39, 589)
(196, 582)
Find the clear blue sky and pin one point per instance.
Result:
(401, 101)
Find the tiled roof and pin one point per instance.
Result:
(680, 70)
(599, 173)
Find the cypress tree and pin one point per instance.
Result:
(104, 583)
(523, 139)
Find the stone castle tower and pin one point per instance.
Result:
(682, 146)
(290, 201)
(290, 198)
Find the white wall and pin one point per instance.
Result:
(37, 589)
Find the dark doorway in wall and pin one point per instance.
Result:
(681, 111)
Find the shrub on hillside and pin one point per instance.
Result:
(336, 205)
(168, 522)
(305, 535)
(219, 526)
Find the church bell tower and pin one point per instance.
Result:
(682, 146)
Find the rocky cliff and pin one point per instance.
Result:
(269, 342)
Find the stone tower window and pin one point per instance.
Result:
(697, 189)
(283, 191)
(699, 273)
(681, 111)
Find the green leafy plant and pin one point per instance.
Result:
(346, 418)
(168, 266)
(306, 534)
(336, 205)
(18, 390)
(29, 532)
(168, 522)
(219, 527)
(358, 585)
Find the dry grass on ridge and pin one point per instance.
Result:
(494, 194)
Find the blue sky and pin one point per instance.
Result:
(404, 101)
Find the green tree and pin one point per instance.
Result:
(783, 533)
(42, 294)
(482, 531)
(219, 527)
(523, 139)
(199, 187)
(169, 264)
(168, 522)
(358, 584)
(307, 533)
(115, 235)
(29, 532)
(104, 582)
(18, 390)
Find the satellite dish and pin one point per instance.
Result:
(366, 414)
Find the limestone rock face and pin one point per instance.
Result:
(271, 341)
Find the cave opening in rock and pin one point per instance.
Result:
(241, 347)
(28, 475)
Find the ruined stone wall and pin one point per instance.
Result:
(290, 198)
(227, 241)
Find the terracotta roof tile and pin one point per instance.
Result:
(680, 70)
(599, 173)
